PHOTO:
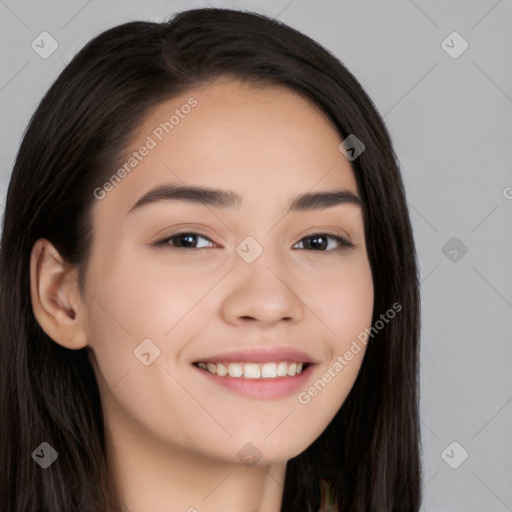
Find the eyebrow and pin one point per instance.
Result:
(220, 198)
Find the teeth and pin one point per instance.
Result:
(282, 369)
(234, 370)
(292, 369)
(269, 370)
(253, 370)
(221, 370)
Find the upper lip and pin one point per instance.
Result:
(261, 355)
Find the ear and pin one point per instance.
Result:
(55, 294)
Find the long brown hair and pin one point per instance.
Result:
(370, 450)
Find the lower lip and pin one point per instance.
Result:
(277, 387)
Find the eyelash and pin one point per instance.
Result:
(343, 242)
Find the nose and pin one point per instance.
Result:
(261, 293)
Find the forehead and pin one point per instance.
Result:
(260, 141)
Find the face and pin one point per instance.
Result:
(242, 275)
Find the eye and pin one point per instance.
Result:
(183, 240)
(317, 242)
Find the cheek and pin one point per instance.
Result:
(344, 304)
(147, 299)
(351, 305)
(343, 300)
(135, 300)
(133, 303)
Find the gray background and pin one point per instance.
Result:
(451, 124)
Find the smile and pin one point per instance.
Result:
(269, 370)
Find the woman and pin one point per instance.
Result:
(275, 366)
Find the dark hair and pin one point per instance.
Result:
(370, 450)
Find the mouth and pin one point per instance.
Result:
(260, 373)
(253, 370)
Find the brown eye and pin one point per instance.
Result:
(319, 242)
(185, 240)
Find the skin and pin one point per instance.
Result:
(172, 436)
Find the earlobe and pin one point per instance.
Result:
(55, 296)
